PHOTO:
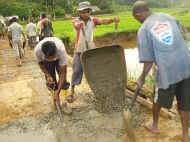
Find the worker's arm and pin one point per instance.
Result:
(44, 70)
(77, 24)
(62, 69)
(62, 78)
(24, 36)
(51, 27)
(24, 42)
(107, 21)
(38, 28)
(9, 33)
(146, 69)
(182, 29)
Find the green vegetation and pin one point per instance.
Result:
(26, 8)
(127, 23)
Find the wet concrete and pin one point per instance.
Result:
(84, 125)
(108, 79)
(27, 113)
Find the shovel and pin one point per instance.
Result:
(128, 117)
(58, 107)
(115, 33)
(86, 42)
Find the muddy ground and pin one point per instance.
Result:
(27, 112)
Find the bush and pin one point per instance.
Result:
(67, 42)
(60, 12)
(158, 4)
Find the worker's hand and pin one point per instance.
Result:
(140, 82)
(78, 24)
(116, 19)
(49, 79)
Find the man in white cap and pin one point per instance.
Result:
(84, 26)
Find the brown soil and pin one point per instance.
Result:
(125, 40)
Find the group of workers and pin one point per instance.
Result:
(33, 33)
(160, 42)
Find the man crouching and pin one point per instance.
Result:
(52, 57)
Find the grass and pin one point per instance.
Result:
(127, 23)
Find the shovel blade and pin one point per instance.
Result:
(58, 107)
(129, 125)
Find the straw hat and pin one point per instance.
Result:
(86, 5)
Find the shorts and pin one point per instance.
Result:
(181, 90)
(17, 47)
(32, 41)
(77, 70)
(52, 67)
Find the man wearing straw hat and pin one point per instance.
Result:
(84, 26)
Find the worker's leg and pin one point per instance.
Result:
(183, 99)
(184, 115)
(162, 98)
(77, 74)
(15, 44)
(66, 84)
(153, 126)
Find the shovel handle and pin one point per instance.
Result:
(115, 32)
(116, 27)
(59, 110)
(58, 107)
(86, 42)
(137, 90)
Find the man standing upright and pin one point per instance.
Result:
(84, 26)
(45, 27)
(31, 32)
(160, 42)
(16, 33)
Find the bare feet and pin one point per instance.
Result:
(152, 128)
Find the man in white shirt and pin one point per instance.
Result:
(31, 32)
(84, 26)
(44, 27)
(52, 57)
(16, 33)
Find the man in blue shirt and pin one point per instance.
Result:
(160, 42)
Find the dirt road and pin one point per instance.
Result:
(17, 98)
(26, 111)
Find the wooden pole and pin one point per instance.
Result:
(148, 104)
